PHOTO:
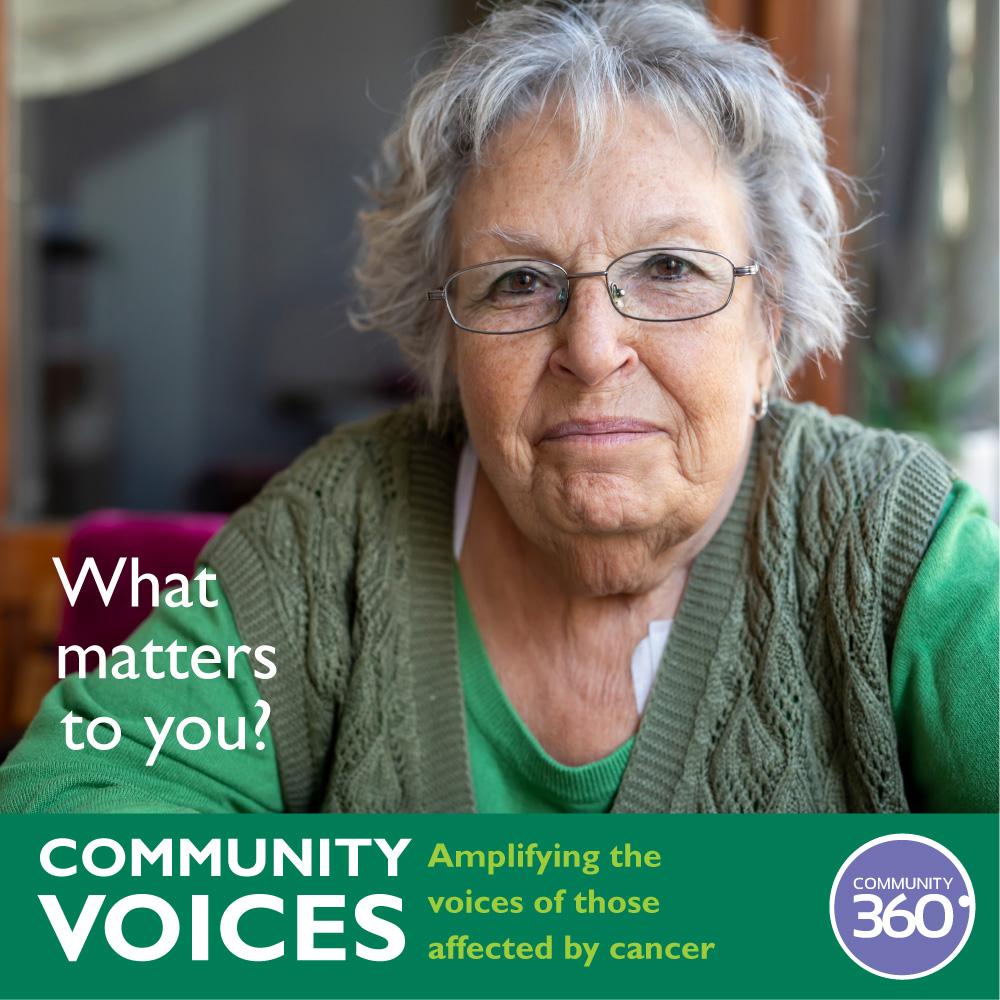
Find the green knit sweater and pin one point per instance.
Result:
(774, 693)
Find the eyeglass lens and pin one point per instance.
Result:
(656, 285)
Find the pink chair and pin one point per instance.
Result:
(163, 544)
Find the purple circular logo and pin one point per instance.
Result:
(902, 906)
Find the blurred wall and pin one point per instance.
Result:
(213, 203)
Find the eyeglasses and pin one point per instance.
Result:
(659, 285)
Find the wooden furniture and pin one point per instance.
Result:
(31, 602)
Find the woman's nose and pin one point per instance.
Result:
(595, 342)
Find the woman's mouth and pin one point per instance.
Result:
(602, 431)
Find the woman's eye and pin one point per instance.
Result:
(518, 282)
(669, 267)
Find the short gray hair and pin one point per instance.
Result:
(593, 57)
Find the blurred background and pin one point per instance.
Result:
(177, 222)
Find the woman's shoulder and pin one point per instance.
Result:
(316, 567)
(352, 487)
(810, 447)
(353, 453)
(361, 461)
(850, 495)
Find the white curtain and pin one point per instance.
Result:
(68, 46)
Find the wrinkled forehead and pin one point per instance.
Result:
(648, 180)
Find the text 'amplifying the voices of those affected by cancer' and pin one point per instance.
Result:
(553, 884)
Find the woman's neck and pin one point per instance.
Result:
(560, 647)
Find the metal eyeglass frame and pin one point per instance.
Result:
(441, 294)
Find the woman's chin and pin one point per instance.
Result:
(602, 504)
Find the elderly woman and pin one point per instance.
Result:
(601, 566)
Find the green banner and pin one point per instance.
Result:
(484, 906)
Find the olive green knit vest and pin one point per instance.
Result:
(773, 694)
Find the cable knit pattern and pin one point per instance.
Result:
(773, 694)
